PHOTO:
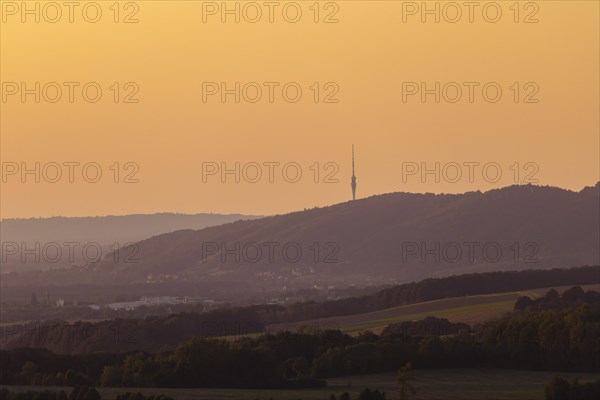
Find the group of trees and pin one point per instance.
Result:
(139, 396)
(90, 393)
(120, 335)
(543, 340)
(365, 394)
(368, 394)
(429, 326)
(570, 298)
(539, 339)
(77, 393)
(561, 389)
(5, 394)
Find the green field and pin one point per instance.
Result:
(443, 384)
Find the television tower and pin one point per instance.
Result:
(353, 184)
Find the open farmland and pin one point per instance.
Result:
(468, 309)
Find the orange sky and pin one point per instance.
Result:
(366, 56)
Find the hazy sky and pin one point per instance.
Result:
(368, 68)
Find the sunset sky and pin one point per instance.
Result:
(368, 54)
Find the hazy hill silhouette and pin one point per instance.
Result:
(104, 230)
(551, 227)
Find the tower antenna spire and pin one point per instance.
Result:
(352, 160)
(353, 181)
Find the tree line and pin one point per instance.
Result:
(561, 389)
(77, 393)
(565, 339)
(433, 289)
(157, 333)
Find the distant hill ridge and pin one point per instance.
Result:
(109, 228)
(533, 226)
(104, 231)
